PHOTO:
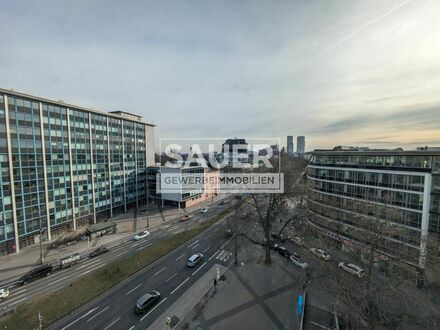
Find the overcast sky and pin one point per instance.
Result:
(337, 71)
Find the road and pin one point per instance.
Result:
(118, 251)
(169, 275)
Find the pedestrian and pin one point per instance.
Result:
(215, 282)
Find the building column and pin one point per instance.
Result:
(123, 167)
(11, 175)
(69, 136)
(425, 220)
(109, 169)
(93, 172)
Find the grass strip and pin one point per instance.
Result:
(53, 306)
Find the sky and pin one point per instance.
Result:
(340, 72)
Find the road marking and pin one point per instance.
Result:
(220, 254)
(160, 271)
(171, 278)
(178, 231)
(180, 285)
(192, 244)
(120, 254)
(195, 246)
(89, 263)
(144, 246)
(180, 257)
(204, 251)
(319, 325)
(224, 244)
(17, 292)
(62, 278)
(79, 318)
(131, 328)
(98, 314)
(207, 237)
(213, 255)
(22, 295)
(117, 244)
(112, 323)
(16, 302)
(133, 289)
(91, 270)
(152, 309)
(199, 268)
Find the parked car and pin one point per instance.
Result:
(194, 260)
(36, 273)
(352, 269)
(147, 301)
(279, 237)
(224, 202)
(297, 260)
(229, 233)
(4, 293)
(101, 250)
(143, 234)
(320, 253)
(296, 240)
(204, 210)
(185, 217)
(284, 252)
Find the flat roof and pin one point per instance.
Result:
(377, 152)
(76, 107)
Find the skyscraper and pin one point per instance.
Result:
(290, 145)
(300, 145)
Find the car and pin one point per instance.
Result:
(185, 217)
(284, 252)
(36, 273)
(4, 293)
(143, 234)
(147, 301)
(224, 202)
(352, 269)
(279, 237)
(243, 216)
(297, 260)
(273, 246)
(296, 240)
(229, 233)
(204, 210)
(100, 250)
(320, 253)
(194, 260)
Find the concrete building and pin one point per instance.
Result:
(64, 166)
(290, 145)
(235, 150)
(300, 145)
(388, 200)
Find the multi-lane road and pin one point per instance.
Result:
(169, 275)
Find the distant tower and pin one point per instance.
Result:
(290, 145)
(300, 145)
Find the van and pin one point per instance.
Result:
(36, 273)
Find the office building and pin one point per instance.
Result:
(64, 167)
(387, 200)
(235, 151)
(300, 145)
(290, 145)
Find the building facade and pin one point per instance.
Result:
(64, 167)
(300, 145)
(388, 200)
(290, 146)
(235, 151)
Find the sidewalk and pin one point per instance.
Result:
(14, 265)
(251, 295)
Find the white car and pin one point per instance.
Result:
(320, 253)
(296, 259)
(352, 269)
(141, 235)
(296, 240)
(4, 293)
(204, 210)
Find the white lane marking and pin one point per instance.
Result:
(158, 272)
(89, 263)
(180, 257)
(117, 244)
(17, 292)
(112, 323)
(136, 244)
(133, 289)
(207, 237)
(16, 302)
(79, 318)
(195, 246)
(98, 314)
(20, 296)
(192, 244)
(91, 270)
(131, 328)
(319, 325)
(144, 246)
(224, 244)
(187, 279)
(199, 268)
(171, 278)
(214, 255)
(220, 254)
(152, 310)
(204, 251)
(120, 254)
(60, 279)
(178, 231)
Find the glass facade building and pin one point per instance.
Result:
(387, 199)
(64, 167)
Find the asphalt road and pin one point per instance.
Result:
(169, 275)
(118, 250)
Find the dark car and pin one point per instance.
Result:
(147, 301)
(273, 246)
(279, 237)
(36, 273)
(224, 202)
(284, 252)
(101, 250)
